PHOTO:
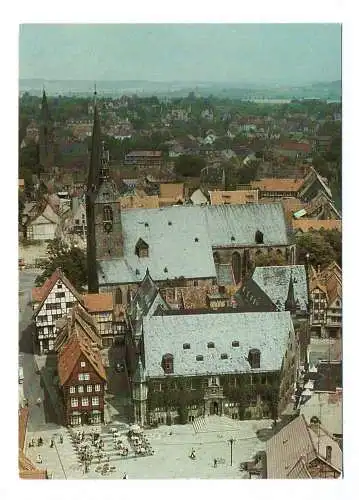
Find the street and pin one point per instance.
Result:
(40, 416)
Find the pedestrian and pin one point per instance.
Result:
(39, 459)
(215, 463)
(125, 476)
(61, 439)
(51, 443)
(39, 441)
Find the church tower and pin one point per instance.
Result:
(46, 140)
(139, 394)
(103, 210)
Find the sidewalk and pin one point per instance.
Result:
(41, 363)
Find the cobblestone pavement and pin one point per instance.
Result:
(172, 446)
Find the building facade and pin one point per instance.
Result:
(50, 303)
(235, 364)
(82, 381)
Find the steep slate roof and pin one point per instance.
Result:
(268, 332)
(224, 274)
(328, 376)
(242, 222)
(274, 281)
(145, 297)
(295, 442)
(39, 294)
(173, 249)
(98, 302)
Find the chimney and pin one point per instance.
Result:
(328, 454)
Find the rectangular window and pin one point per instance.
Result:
(80, 388)
(74, 402)
(97, 388)
(86, 376)
(95, 401)
(89, 388)
(69, 304)
(59, 295)
(72, 389)
(81, 376)
(85, 401)
(82, 364)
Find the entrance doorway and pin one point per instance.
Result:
(213, 408)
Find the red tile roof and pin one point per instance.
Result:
(306, 225)
(273, 184)
(69, 355)
(296, 146)
(98, 302)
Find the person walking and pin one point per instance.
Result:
(61, 439)
(215, 463)
(39, 459)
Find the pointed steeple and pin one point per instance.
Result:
(45, 113)
(290, 304)
(140, 374)
(96, 150)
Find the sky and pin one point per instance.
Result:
(242, 53)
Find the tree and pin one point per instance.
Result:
(272, 259)
(189, 166)
(71, 260)
(322, 248)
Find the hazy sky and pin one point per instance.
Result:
(256, 53)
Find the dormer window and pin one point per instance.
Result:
(233, 238)
(259, 237)
(165, 270)
(142, 248)
(235, 343)
(210, 345)
(167, 363)
(196, 240)
(107, 218)
(224, 356)
(254, 358)
(199, 357)
(169, 223)
(186, 346)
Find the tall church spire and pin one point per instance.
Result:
(46, 142)
(92, 189)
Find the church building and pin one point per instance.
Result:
(179, 245)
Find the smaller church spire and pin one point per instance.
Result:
(290, 304)
(140, 374)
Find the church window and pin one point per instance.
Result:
(107, 218)
(118, 296)
(236, 266)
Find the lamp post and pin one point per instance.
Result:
(231, 441)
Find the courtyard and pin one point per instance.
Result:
(172, 445)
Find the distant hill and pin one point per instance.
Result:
(317, 90)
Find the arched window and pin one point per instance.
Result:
(118, 296)
(107, 218)
(216, 258)
(237, 266)
(107, 214)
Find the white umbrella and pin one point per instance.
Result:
(135, 428)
